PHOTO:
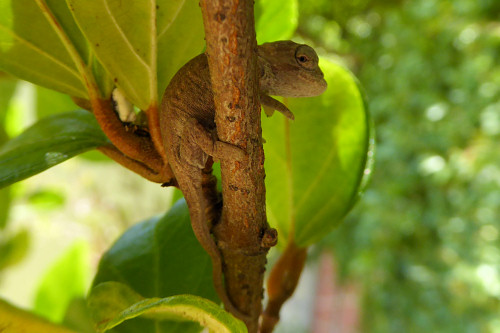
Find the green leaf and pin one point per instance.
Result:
(315, 164)
(30, 48)
(180, 24)
(128, 48)
(65, 280)
(5, 200)
(7, 89)
(77, 316)
(146, 42)
(276, 19)
(49, 142)
(159, 258)
(49, 102)
(115, 303)
(15, 320)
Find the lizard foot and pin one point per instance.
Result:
(226, 151)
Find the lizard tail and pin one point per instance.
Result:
(190, 182)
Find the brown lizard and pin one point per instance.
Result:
(189, 132)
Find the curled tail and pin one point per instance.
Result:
(190, 183)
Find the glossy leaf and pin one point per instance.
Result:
(30, 48)
(49, 142)
(312, 182)
(275, 19)
(114, 303)
(14, 320)
(65, 280)
(159, 258)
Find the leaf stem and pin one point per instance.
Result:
(281, 283)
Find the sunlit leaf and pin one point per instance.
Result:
(14, 320)
(30, 49)
(49, 142)
(115, 303)
(65, 280)
(159, 258)
(128, 48)
(275, 19)
(144, 40)
(315, 164)
(179, 23)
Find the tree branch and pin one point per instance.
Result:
(243, 234)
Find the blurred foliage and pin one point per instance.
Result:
(67, 279)
(424, 241)
(15, 320)
(13, 248)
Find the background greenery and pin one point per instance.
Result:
(423, 242)
(422, 245)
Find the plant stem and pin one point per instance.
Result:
(282, 282)
(243, 234)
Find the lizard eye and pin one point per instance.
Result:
(306, 57)
(303, 59)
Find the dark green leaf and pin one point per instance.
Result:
(49, 142)
(159, 258)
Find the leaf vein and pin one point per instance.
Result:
(41, 52)
(314, 183)
(173, 19)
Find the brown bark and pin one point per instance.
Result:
(243, 234)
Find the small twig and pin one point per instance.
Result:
(281, 284)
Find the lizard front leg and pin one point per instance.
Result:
(270, 104)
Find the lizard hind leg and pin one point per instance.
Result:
(190, 182)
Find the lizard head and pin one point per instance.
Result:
(289, 69)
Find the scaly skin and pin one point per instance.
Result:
(189, 132)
